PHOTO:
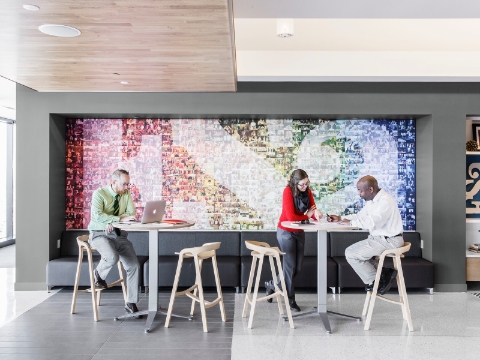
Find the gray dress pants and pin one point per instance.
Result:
(361, 255)
(112, 248)
(292, 244)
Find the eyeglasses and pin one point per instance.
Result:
(304, 184)
(126, 184)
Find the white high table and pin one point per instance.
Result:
(153, 239)
(322, 227)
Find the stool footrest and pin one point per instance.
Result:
(186, 292)
(389, 300)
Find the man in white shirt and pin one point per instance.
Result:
(381, 217)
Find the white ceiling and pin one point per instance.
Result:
(351, 40)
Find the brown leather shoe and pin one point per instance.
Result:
(388, 276)
(294, 306)
(131, 308)
(99, 282)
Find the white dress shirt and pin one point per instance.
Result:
(380, 216)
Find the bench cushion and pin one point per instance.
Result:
(340, 240)
(306, 278)
(228, 270)
(62, 271)
(417, 272)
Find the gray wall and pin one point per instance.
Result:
(440, 108)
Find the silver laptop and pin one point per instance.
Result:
(153, 211)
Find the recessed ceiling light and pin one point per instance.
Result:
(31, 7)
(285, 28)
(124, 82)
(59, 30)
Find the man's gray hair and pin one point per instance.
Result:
(117, 173)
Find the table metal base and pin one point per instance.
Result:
(323, 317)
(150, 317)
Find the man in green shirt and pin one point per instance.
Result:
(111, 204)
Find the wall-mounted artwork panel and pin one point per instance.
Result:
(230, 173)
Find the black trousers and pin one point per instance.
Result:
(292, 244)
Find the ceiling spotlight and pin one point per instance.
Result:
(31, 7)
(124, 82)
(59, 30)
(284, 28)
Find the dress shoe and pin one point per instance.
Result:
(99, 282)
(294, 306)
(386, 282)
(369, 287)
(131, 308)
(268, 290)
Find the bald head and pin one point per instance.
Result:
(367, 187)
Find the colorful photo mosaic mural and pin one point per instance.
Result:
(230, 173)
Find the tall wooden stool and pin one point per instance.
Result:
(84, 246)
(259, 251)
(200, 253)
(396, 254)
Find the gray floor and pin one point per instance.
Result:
(446, 326)
(7, 256)
(49, 331)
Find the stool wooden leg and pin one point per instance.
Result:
(219, 288)
(192, 310)
(374, 294)
(77, 279)
(284, 288)
(200, 294)
(249, 286)
(365, 306)
(124, 285)
(274, 277)
(255, 292)
(403, 293)
(92, 286)
(174, 291)
(99, 296)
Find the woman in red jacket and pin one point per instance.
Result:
(297, 204)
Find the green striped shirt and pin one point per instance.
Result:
(101, 212)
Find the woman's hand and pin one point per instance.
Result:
(318, 214)
(311, 211)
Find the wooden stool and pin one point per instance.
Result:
(206, 251)
(259, 251)
(84, 246)
(396, 254)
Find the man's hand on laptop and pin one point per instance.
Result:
(127, 218)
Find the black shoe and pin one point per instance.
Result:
(294, 306)
(99, 282)
(369, 287)
(268, 290)
(131, 308)
(387, 278)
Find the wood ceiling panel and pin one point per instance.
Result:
(155, 45)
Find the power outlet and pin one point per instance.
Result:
(421, 244)
(58, 244)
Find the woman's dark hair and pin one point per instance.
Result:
(297, 176)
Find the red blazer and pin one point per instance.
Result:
(289, 212)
